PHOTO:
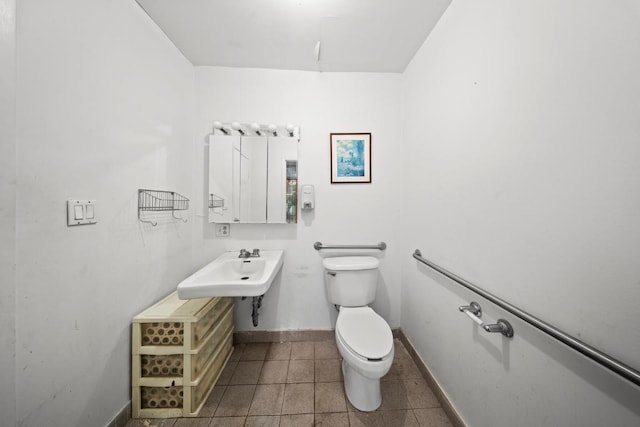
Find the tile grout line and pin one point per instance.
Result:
(285, 385)
(314, 381)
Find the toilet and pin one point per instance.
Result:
(363, 337)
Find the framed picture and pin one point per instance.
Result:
(350, 158)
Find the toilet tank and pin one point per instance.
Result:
(352, 280)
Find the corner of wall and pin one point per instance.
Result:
(7, 213)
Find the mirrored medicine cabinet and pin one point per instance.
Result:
(253, 179)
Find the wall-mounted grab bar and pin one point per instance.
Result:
(474, 311)
(592, 353)
(381, 246)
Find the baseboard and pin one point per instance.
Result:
(122, 418)
(242, 337)
(446, 404)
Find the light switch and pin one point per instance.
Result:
(77, 212)
(80, 212)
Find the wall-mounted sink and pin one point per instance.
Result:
(230, 276)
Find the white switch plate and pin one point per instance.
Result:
(223, 230)
(81, 212)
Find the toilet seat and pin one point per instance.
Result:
(365, 333)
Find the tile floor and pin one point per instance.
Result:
(299, 384)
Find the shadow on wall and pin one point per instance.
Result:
(382, 304)
(269, 311)
(307, 217)
(608, 383)
(105, 370)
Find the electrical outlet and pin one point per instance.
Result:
(223, 230)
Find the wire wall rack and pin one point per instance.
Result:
(160, 201)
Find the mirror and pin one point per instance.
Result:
(253, 179)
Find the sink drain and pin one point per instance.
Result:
(244, 278)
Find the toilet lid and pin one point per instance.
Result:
(365, 332)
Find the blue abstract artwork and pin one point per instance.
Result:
(350, 157)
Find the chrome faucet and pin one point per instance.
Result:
(246, 254)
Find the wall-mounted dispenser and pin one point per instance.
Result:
(307, 198)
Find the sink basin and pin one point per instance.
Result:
(230, 276)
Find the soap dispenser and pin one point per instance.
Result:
(307, 196)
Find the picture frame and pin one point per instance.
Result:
(350, 158)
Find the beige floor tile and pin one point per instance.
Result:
(302, 350)
(329, 397)
(267, 400)
(212, 402)
(394, 395)
(326, 350)
(279, 351)
(227, 373)
(255, 351)
(399, 349)
(301, 420)
(286, 394)
(403, 367)
(340, 419)
(298, 399)
(274, 372)
(328, 370)
(399, 418)
(192, 422)
(247, 372)
(300, 371)
(432, 417)
(365, 419)
(227, 422)
(236, 401)
(237, 352)
(419, 394)
(263, 421)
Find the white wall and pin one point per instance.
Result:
(516, 161)
(522, 126)
(345, 214)
(104, 108)
(7, 211)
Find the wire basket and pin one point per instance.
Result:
(215, 201)
(161, 201)
(155, 200)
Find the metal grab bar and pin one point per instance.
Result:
(381, 246)
(625, 371)
(474, 311)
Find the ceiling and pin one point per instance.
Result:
(354, 35)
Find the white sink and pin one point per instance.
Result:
(230, 276)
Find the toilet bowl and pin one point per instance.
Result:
(365, 343)
(363, 338)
